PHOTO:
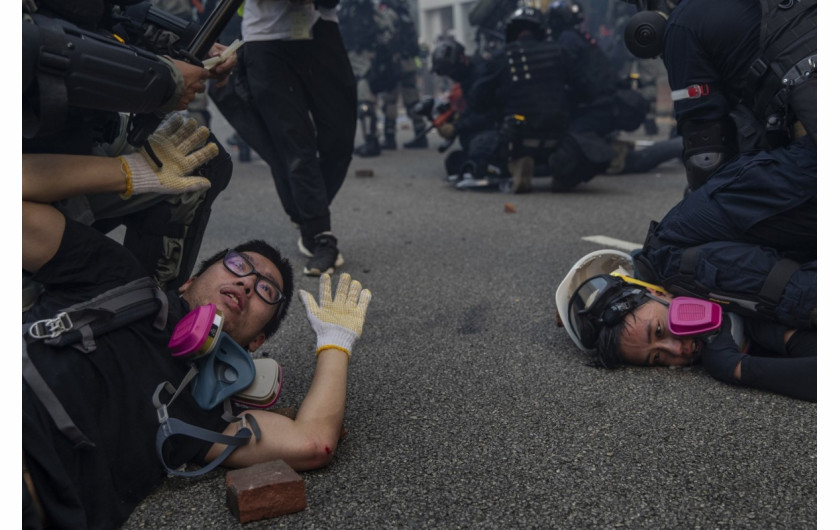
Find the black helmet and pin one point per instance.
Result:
(564, 14)
(447, 58)
(525, 18)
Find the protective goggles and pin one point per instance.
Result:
(605, 300)
(241, 266)
(601, 301)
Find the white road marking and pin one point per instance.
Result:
(613, 242)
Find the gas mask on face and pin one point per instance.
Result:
(225, 369)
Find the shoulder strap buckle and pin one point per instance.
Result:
(50, 328)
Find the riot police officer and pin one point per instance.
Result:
(751, 80)
(449, 59)
(743, 76)
(528, 86)
(407, 49)
(368, 32)
(72, 106)
(604, 105)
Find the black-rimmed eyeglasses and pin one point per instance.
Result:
(241, 266)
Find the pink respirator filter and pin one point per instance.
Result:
(197, 333)
(693, 316)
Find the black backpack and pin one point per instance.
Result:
(78, 326)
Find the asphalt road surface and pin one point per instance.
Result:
(468, 407)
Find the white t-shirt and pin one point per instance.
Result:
(281, 19)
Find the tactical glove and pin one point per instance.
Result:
(338, 321)
(171, 153)
(722, 355)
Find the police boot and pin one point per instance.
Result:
(369, 148)
(390, 141)
(420, 141)
(367, 119)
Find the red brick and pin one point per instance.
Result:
(264, 491)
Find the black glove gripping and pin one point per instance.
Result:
(721, 356)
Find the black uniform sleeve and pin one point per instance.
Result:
(792, 377)
(710, 43)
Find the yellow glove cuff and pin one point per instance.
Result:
(332, 347)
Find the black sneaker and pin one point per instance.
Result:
(304, 249)
(325, 256)
(369, 148)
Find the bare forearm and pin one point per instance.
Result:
(49, 177)
(308, 441)
(323, 408)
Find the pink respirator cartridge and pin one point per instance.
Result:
(693, 316)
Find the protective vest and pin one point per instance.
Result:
(787, 57)
(535, 84)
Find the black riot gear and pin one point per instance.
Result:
(525, 19)
(563, 15)
(787, 64)
(448, 59)
(63, 68)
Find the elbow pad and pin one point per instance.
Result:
(699, 167)
(704, 150)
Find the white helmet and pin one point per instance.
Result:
(604, 261)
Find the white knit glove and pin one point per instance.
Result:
(174, 154)
(337, 321)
